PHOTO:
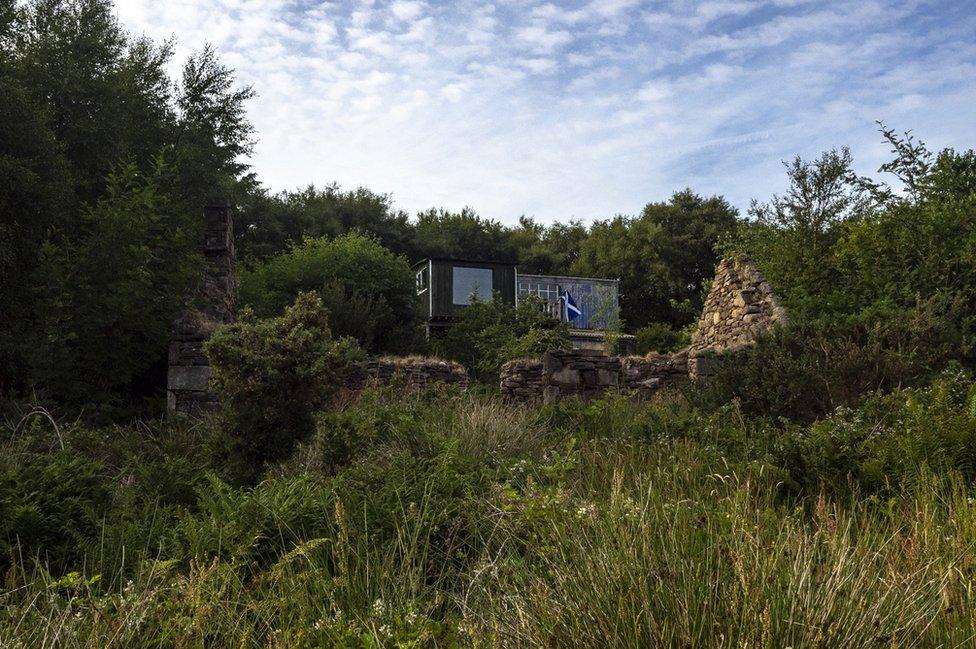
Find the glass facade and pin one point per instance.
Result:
(470, 282)
(596, 298)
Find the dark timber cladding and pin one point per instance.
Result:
(446, 285)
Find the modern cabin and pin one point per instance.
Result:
(588, 305)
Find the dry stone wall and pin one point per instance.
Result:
(213, 303)
(416, 371)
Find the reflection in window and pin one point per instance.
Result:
(471, 281)
(422, 280)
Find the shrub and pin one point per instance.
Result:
(273, 375)
(368, 290)
(488, 334)
(660, 337)
(807, 370)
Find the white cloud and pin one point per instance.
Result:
(562, 110)
(407, 9)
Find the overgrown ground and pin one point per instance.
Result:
(454, 519)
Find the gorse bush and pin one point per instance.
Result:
(273, 376)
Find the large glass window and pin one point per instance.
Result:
(470, 282)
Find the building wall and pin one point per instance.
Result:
(442, 284)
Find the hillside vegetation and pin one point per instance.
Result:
(818, 491)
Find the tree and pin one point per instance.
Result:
(793, 236)
(105, 298)
(368, 290)
(87, 114)
(489, 333)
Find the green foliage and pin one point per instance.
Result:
(662, 257)
(368, 290)
(105, 297)
(269, 224)
(858, 526)
(50, 504)
(88, 112)
(488, 334)
(838, 245)
(807, 370)
(273, 375)
(660, 337)
(250, 528)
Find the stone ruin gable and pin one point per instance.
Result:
(739, 308)
(416, 371)
(213, 303)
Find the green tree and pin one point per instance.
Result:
(489, 333)
(87, 114)
(368, 290)
(105, 298)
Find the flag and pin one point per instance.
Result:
(572, 310)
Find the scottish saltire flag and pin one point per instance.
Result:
(572, 309)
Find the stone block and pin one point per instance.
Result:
(189, 377)
(565, 376)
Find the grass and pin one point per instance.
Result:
(460, 520)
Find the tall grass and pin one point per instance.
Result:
(457, 520)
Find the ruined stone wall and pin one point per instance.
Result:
(416, 371)
(212, 303)
(589, 374)
(645, 375)
(739, 308)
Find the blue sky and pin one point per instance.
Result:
(587, 109)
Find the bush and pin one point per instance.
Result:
(273, 375)
(807, 370)
(660, 337)
(368, 290)
(489, 334)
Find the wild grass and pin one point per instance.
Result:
(457, 520)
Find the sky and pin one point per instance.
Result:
(577, 110)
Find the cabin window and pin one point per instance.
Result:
(470, 282)
(548, 291)
(423, 279)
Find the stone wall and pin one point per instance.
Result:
(645, 375)
(213, 303)
(588, 374)
(416, 371)
(521, 380)
(739, 308)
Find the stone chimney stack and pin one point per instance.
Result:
(211, 304)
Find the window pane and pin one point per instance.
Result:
(471, 281)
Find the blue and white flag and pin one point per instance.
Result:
(572, 309)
